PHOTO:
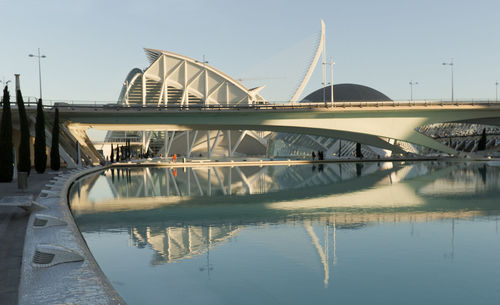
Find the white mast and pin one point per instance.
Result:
(319, 50)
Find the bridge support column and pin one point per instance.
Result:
(229, 152)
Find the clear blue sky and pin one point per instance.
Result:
(92, 45)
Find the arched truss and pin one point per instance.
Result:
(173, 79)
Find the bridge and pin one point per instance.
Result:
(377, 124)
(371, 123)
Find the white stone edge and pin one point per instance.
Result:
(26, 291)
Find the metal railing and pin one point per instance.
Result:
(30, 102)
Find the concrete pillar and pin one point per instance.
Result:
(18, 83)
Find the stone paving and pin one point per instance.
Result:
(13, 222)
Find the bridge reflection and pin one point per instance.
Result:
(184, 214)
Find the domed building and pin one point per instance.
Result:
(346, 93)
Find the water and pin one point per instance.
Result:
(386, 233)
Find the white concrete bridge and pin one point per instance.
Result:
(373, 123)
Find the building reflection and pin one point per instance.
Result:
(172, 244)
(176, 243)
(183, 214)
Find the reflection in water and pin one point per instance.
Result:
(176, 243)
(182, 214)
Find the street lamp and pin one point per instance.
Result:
(332, 63)
(412, 83)
(451, 66)
(39, 68)
(5, 82)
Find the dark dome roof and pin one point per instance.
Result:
(347, 93)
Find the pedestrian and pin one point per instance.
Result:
(313, 155)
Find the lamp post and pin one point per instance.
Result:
(205, 92)
(5, 82)
(412, 83)
(332, 63)
(451, 66)
(39, 68)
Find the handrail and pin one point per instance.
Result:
(31, 103)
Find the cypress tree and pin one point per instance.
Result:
(481, 145)
(40, 144)
(24, 164)
(6, 153)
(55, 163)
(111, 157)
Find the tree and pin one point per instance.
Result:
(481, 145)
(6, 148)
(40, 144)
(24, 164)
(111, 157)
(55, 162)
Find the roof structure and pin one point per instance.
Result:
(179, 80)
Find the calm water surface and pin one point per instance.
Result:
(386, 233)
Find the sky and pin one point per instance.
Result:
(92, 45)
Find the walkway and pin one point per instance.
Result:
(13, 222)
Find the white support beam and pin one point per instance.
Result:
(129, 85)
(189, 182)
(187, 141)
(165, 142)
(209, 95)
(215, 142)
(229, 180)
(144, 89)
(185, 95)
(208, 144)
(162, 92)
(205, 87)
(146, 139)
(151, 181)
(257, 137)
(165, 82)
(229, 152)
(245, 180)
(171, 140)
(221, 182)
(190, 148)
(243, 134)
(209, 182)
(197, 181)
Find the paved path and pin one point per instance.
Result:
(13, 222)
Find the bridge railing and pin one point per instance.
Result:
(30, 102)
